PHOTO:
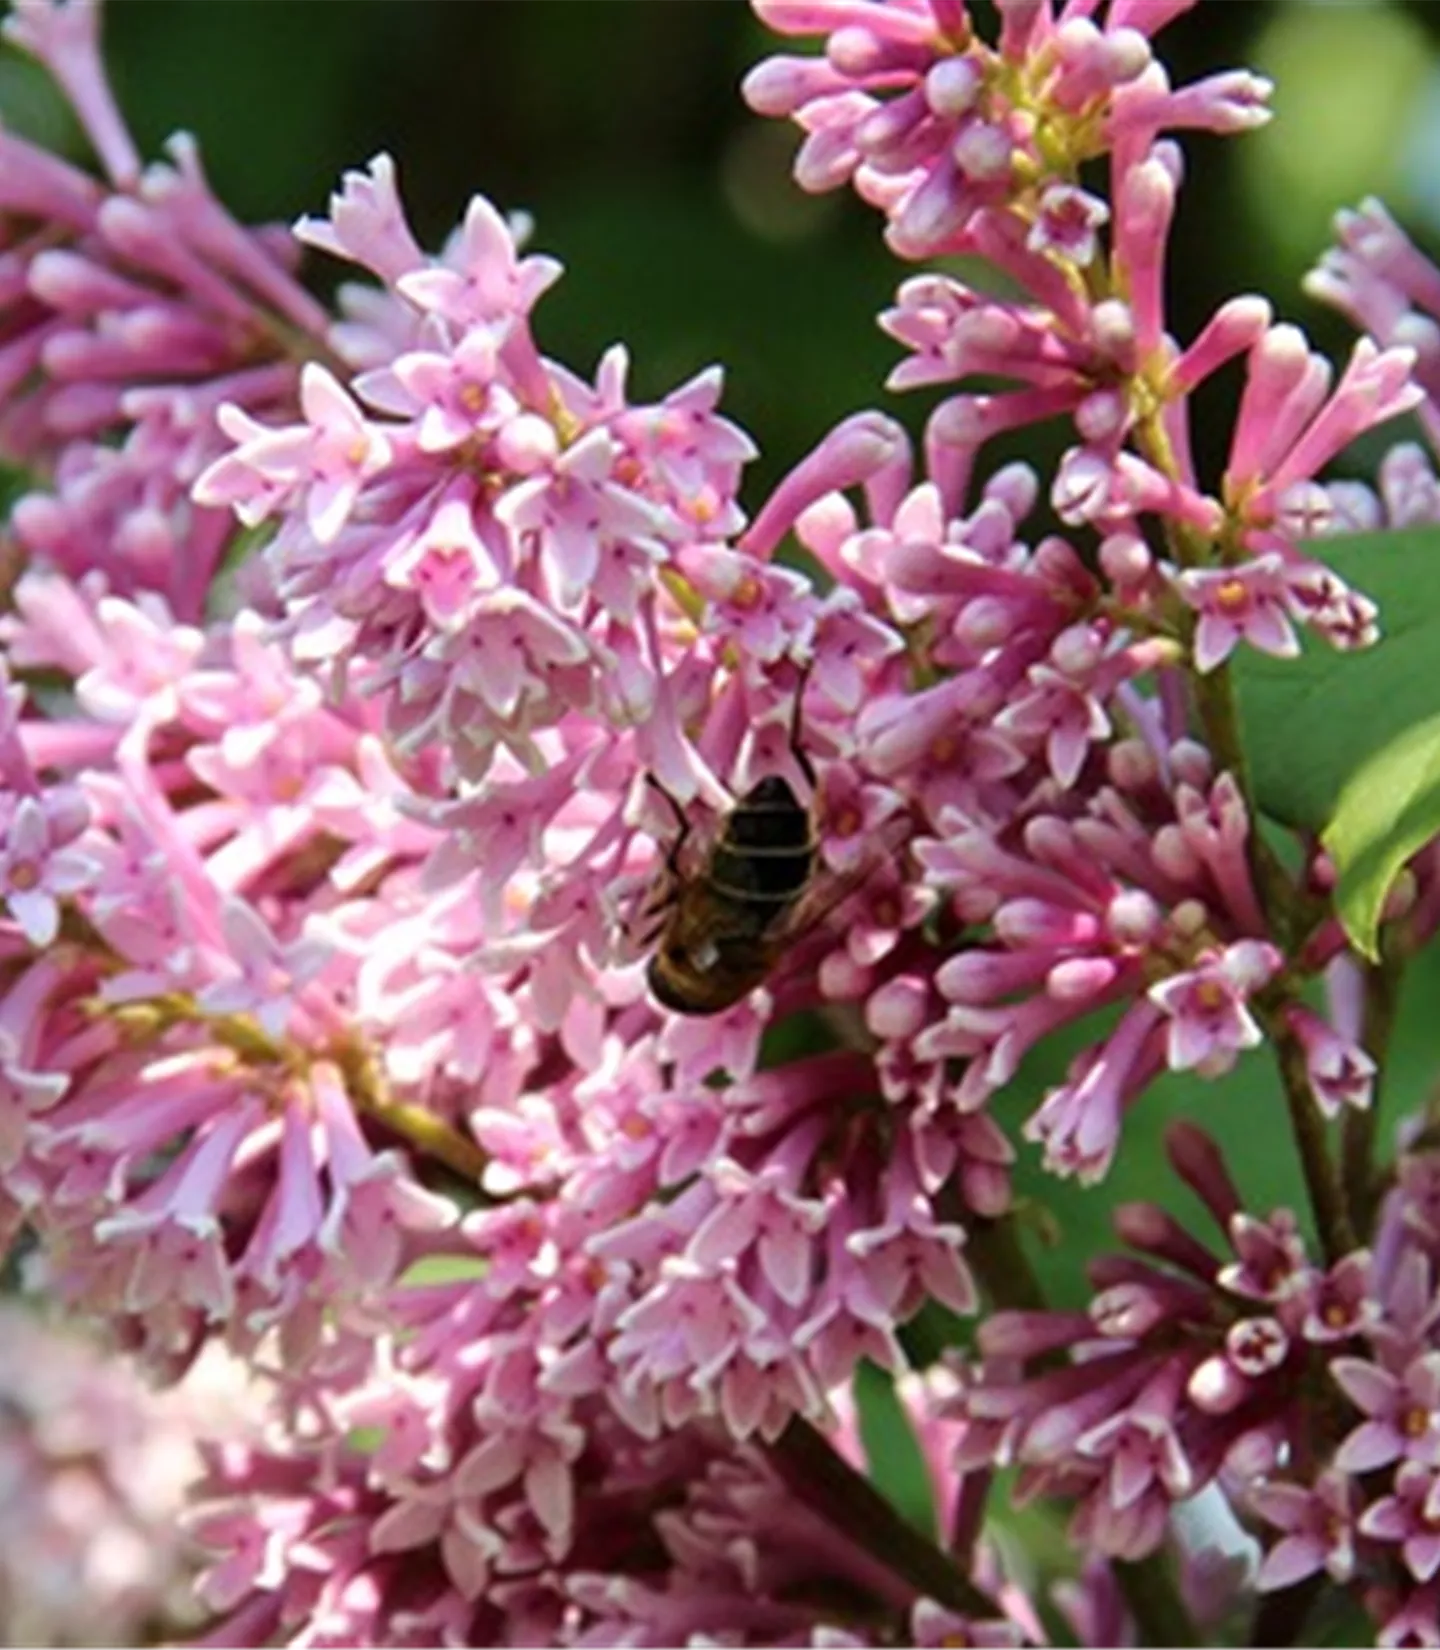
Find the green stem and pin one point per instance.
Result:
(1154, 1601)
(1280, 1618)
(428, 1135)
(1215, 700)
(244, 1038)
(848, 1501)
(999, 1261)
(422, 1130)
(1322, 1179)
(1002, 1266)
(1220, 720)
(1357, 1155)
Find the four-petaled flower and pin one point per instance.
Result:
(1245, 603)
(1209, 1020)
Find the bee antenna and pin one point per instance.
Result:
(797, 749)
(682, 825)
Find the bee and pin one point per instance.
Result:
(729, 920)
(755, 890)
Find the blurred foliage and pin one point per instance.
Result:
(894, 1461)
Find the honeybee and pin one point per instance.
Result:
(755, 891)
(729, 920)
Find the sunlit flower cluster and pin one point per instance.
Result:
(367, 673)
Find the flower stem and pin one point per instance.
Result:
(1215, 699)
(1154, 1601)
(1280, 1618)
(1220, 719)
(969, 1516)
(999, 1261)
(422, 1130)
(1322, 1179)
(846, 1499)
(1357, 1151)
(1002, 1266)
(431, 1136)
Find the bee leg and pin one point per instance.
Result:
(647, 937)
(672, 854)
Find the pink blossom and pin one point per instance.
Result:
(37, 866)
(1415, 1621)
(933, 1626)
(1408, 1517)
(66, 38)
(1340, 1072)
(1210, 1022)
(1318, 1525)
(482, 280)
(1290, 424)
(261, 974)
(326, 459)
(1401, 1422)
(1244, 603)
(909, 106)
(324, 1017)
(101, 1464)
(1067, 223)
(367, 223)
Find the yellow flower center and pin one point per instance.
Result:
(748, 593)
(1232, 596)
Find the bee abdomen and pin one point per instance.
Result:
(765, 850)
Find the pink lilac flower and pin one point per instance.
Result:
(144, 309)
(669, 1540)
(1244, 603)
(1408, 1517)
(938, 128)
(499, 602)
(1209, 1022)
(1387, 288)
(1318, 1528)
(37, 866)
(151, 1142)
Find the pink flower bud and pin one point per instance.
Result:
(897, 1009)
(952, 86)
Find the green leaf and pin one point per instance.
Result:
(1387, 810)
(892, 1453)
(433, 1269)
(1245, 1111)
(1347, 745)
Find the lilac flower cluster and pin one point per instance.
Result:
(358, 667)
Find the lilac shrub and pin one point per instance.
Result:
(362, 664)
